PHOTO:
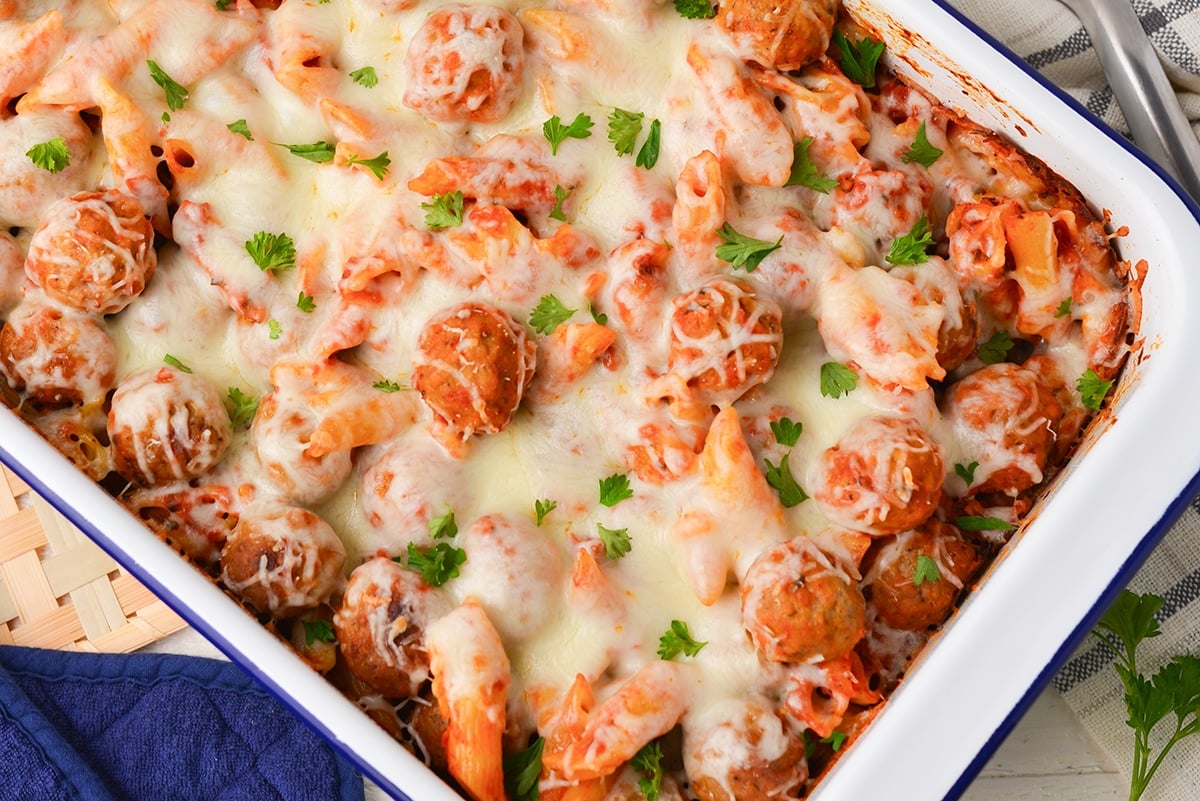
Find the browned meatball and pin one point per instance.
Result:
(381, 623)
(799, 605)
(282, 560)
(472, 367)
(744, 752)
(465, 64)
(1007, 419)
(899, 600)
(57, 355)
(883, 476)
(724, 340)
(93, 251)
(779, 34)
(167, 425)
(195, 520)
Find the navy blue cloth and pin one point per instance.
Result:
(154, 727)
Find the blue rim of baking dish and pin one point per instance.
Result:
(1159, 530)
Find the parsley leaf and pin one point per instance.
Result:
(1065, 308)
(560, 195)
(387, 385)
(678, 640)
(623, 129)
(222, 4)
(365, 76)
(979, 523)
(695, 9)
(996, 349)
(243, 407)
(859, 59)
(443, 526)
(616, 541)
(556, 133)
(437, 563)
(927, 570)
(780, 479)
(743, 252)
(317, 152)
(542, 508)
(522, 771)
(835, 740)
(318, 630)
(966, 472)
(444, 211)
(921, 151)
(51, 156)
(240, 128)
(837, 380)
(377, 165)
(614, 489)
(176, 94)
(272, 252)
(1092, 390)
(274, 329)
(804, 172)
(648, 760)
(178, 365)
(910, 248)
(599, 317)
(549, 314)
(647, 157)
(786, 431)
(305, 303)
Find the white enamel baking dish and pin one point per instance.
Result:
(972, 684)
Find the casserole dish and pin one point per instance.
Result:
(940, 70)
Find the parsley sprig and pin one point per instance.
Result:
(541, 508)
(272, 253)
(365, 77)
(926, 571)
(549, 314)
(910, 248)
(996, 349)
(321, 152)
(695, 9)
(318, 630)
(623, 129)
(678, 640)
(648, 761)
(787, 432)
(804, 172)
(1174, 689)
(859, 59)
(921, 151)
(437, 563)
(614, 489)
(780, 479)
(51, 156)
(616, 541)
(444, 211)
(744, 252)
(242, 408)
(176, 93)
(1092, 389)
(378, 165)
(556, 132)
(837, 380)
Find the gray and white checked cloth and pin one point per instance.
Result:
(1048, 36)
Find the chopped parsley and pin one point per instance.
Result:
(678, 640)
(837, 380)
(743, 252)
(804, 172)
(921, 151)
(242, 408)
(556, 133)
(623, 129)
(966, 472)
(444, 211)
(51, 156)
(240, 128)
(437, 563)
(1065, 308)
(648, 761)
(647, 156)
(979, 523)
(614, 489)
(387, 385)
(176, 94)
(541, 508)
(786, 431)
(305, 303)
(365, 76)
(274, 329)
(377, 165)
(549, 314)
(859, 59)
(835, 740)
(695, 9)
(1092, 390)
(318, 630)
(910, 248)
(178, 365)
(616, 541)
(560, 195)
(443, 526)
(780, 479)
(317, 152)
(272, 252)
(600, 317)
(996, 349)
(926, 571)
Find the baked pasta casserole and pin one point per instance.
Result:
(610, 396)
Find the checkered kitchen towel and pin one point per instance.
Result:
(1047, 35)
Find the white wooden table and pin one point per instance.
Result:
(1047, 757)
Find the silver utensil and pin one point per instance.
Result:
(1142, 89)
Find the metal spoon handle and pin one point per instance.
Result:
(1142, 89)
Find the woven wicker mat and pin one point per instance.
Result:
(59, 590)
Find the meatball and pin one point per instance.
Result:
(754, 755)
(799, 605)
(57, 355)
(381, 624)
(465, 63)
(282, 561)
(724, 339)
(280, 436)
(167, 425)
(959, 331)
(1006, 418)
(779, 35)
(27, 190)
(883, 476)
(93, 251)
(409, 484)
(899, 600)
(196, 520)
(472, 367)
(12, 273)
